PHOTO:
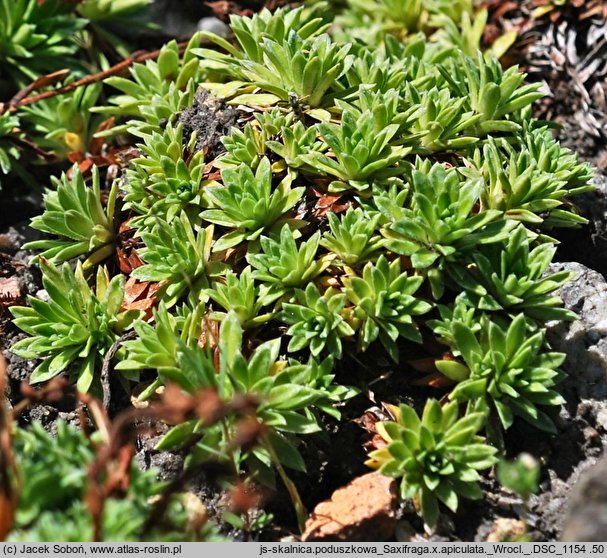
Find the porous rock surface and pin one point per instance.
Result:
(360, 511)
(586, 518)
(584, 340)
(583, 418)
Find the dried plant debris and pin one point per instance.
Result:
(211, 119)
(571, 56)
(100, 484)
(564, 45)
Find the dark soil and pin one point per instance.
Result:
(211, 119)
(15, 262)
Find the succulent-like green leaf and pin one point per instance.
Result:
(248, 202)
(75, 213)
(512, 277)
(509, 369)
(384, 302)
(178, 253)
(283, 265)
(75, 328)
(316, 321)
(441, 463)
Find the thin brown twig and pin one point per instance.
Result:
(99, 414)
(38, 83)
(29, 144)
(20, 100)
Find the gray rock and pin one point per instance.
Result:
(213, 25)
(175, 24)
(178, 19)
(586, 519)
(42, 294)
(583, 420)
(584, 340)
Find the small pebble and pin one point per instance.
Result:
(42, 295)
(213, 25)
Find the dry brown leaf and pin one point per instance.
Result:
(140, 296)
(134, 289)
(146, 305)
(368, 422)
(96, 145)
(209, 337)
(327, 202)
(424, 365)
(503, 8)
(126, 249)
